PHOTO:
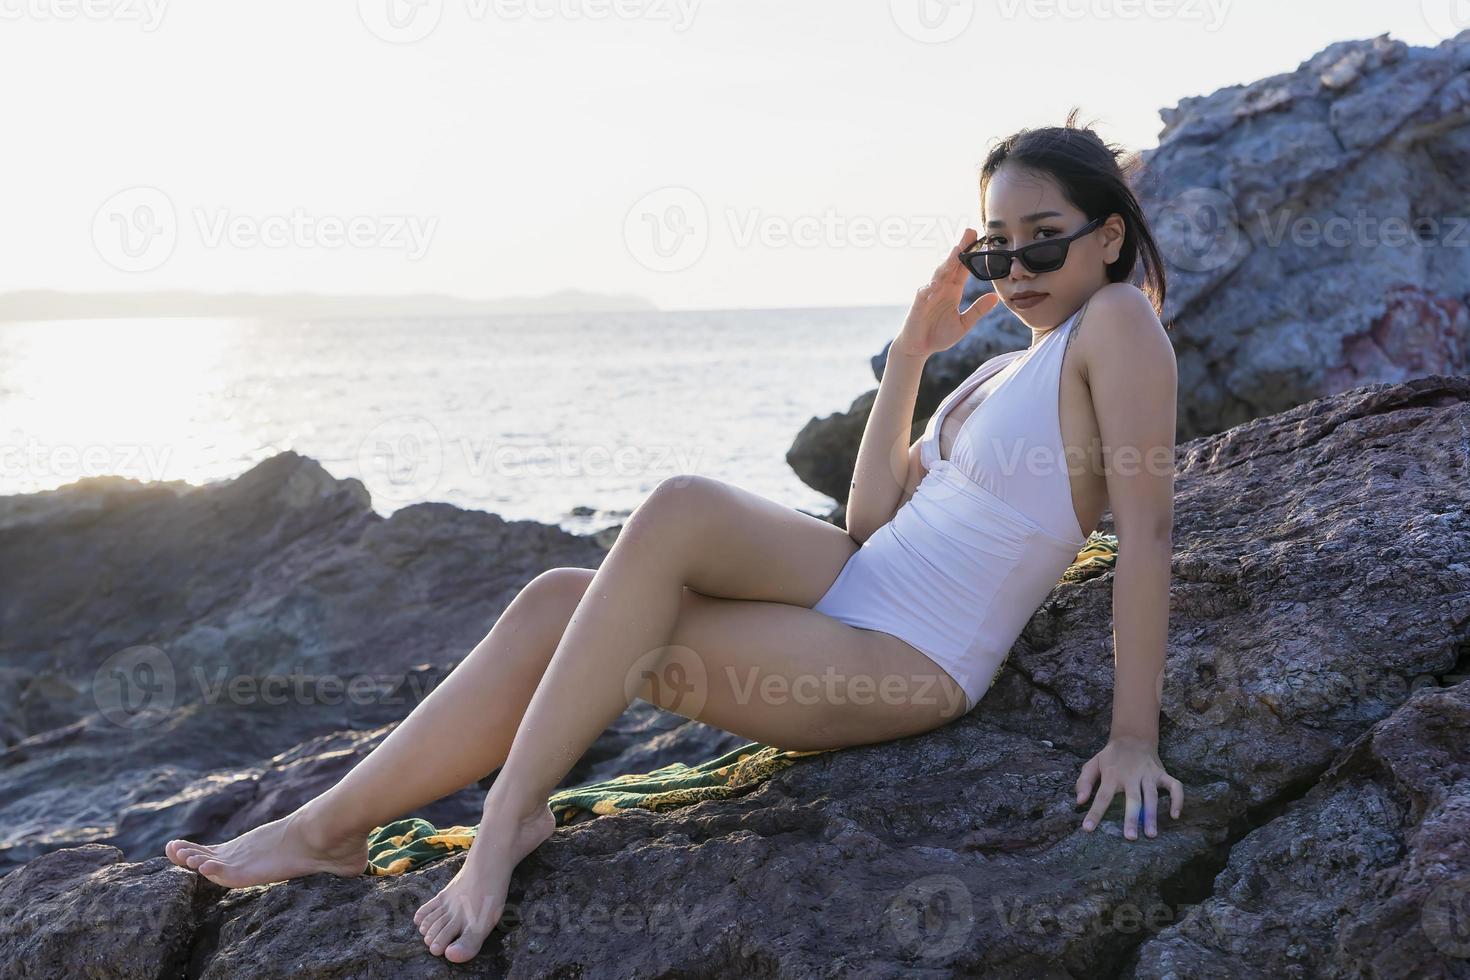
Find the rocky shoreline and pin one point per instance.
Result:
(195, 661)
(1316, 708)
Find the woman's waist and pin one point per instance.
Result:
(949, 501)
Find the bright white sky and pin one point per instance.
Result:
(512, 148)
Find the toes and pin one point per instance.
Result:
(470, 939)
(444, 930)
(217, 872)
(430, 920)
(431, 905)
(464, 948)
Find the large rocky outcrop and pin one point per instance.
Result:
(1367, 875)
(1315, 237)
(271, 613)
(1320, 575)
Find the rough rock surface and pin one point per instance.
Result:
(1315, 237)
(1367, 875)
(1320, 573)
(272, 611)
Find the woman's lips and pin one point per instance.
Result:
(1026, 302)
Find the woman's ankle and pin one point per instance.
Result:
(322, 828)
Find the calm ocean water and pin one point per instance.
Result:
(525, 416)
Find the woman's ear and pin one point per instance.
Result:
(1114, 229)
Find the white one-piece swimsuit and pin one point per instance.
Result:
(966, 561)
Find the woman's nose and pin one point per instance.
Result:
(1019, 272)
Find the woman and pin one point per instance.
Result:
(726, 607)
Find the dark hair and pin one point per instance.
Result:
(1088, 171)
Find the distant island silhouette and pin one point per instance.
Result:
(46, 304)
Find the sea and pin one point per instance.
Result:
(567, 419)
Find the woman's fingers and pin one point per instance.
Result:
(952, 269)
(1087, 780)
(1130, 810)
(1176, 796)
(1100, 804)
(983, 304)
(1150, 808)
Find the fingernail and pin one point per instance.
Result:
(1087, 825)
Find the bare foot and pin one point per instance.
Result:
(456, 921)
(289, 847)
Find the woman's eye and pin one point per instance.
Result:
(999, 241)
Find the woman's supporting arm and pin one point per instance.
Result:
(886, 461)
(881, 471)
(1133, 377)
(1136, 386)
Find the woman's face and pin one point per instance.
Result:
(1021, 207)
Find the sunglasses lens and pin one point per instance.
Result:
(988, 265)
(1045, 258)
(994, 265)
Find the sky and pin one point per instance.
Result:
(704, 155)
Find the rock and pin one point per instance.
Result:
(1319, 574)
(1367, 875)
(1311, 592)
(1271, 202)
(82, 912)
(825, 449)
(244, 617)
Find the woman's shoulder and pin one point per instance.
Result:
(1119, 319)
(1121, 306)
(1120, 325)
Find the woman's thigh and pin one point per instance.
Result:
(795, 678)
(736, 544)
(786, 675)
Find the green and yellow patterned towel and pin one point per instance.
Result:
(406, 844)
(1099, 553)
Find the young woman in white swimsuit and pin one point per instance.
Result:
(726, 607)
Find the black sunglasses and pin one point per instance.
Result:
(1043, 256)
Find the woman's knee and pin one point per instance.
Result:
(560, 585)
(677, 503)
(548, 600)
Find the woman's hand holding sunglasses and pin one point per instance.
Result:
(935, 322)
